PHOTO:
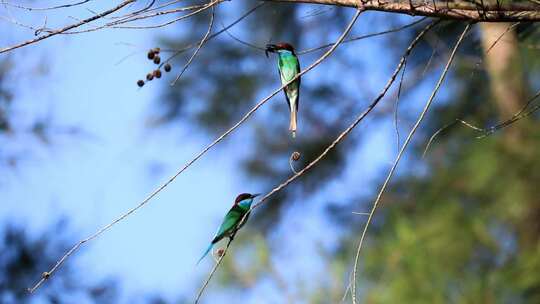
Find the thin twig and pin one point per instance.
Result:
(303, 52)
(522, 113)
(199, 294)
(291, 160)
(67, 28)
(398, 158)
(396, 106)
(116, 25)
(194, 44)
(205, 38)
(336, 44)
(44, 8)
(518, 116)
(251, 45)
(432, 138)
(479, 62)
(393, 30)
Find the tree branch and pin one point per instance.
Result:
(489, 10)
(67, 28)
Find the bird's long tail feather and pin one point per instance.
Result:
(292, 125)
(205, 253)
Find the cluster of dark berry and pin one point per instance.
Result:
(153, 55)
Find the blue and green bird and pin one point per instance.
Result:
(289, 67)
(233, 220)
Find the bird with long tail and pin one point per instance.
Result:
(233, 220)
(289, 67)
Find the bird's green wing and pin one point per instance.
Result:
(230, 222)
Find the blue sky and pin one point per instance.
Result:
(94, 178)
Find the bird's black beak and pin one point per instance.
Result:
(255, 195)
(270, 48)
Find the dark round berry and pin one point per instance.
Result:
(167, 67)
(151, 54)
(157, 73)
(149, 76)
(140, 83)
(157, 59)
(156, 50)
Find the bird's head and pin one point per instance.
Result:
(282, 46)
(245, 199)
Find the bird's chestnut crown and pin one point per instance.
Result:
(272, 48)
(244, 196)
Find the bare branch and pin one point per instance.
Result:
(216, 266)
(362, 37)
(396, 105)
(44, 8)
(205, 38)
(522, 113)
(398, 158)
(199, 9)
(458, 9)
(518, 116)
(432, 138)
(67, 28)
(393, 30)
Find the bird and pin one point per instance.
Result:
(233, 220)
(288, 67)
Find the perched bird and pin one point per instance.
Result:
(233, 220)
(289, 67)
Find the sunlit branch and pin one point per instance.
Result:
(398, 158)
